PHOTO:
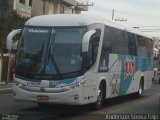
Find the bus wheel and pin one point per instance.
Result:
(140, 90)
(100, 98)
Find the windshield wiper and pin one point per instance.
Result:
(55, 65)
(51, 57)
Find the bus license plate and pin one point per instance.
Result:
(42, 97)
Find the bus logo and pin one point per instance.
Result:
(129, 68)
(42, 89)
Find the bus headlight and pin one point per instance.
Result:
(82, 82)
(19, 85)
(75, 85)
(71, 86)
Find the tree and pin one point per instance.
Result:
(13, 21)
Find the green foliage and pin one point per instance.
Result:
(15, 21)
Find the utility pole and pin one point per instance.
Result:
(113, 14)
(44, 4)
(118, 19)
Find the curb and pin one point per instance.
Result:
(6, 90)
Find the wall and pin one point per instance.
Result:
(22, 9)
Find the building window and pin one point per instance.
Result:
(30, 2)
(62, 9)
(22, 1)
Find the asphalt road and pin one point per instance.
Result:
(149, 103)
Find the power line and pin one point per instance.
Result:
(150, 31)
(148, 26)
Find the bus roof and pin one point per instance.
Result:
(63, 20)
(58, 20)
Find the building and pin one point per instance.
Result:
(29, 8)
(5, 6)
(23, 7)
(58, 7)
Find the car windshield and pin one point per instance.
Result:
(47, 53)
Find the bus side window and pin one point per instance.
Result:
(132, 38)
(93, 48)
(150, 48)
(106, 49)
(141, 46)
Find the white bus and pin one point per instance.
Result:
(80, 59)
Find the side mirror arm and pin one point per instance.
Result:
(10, 38)
(86, 40)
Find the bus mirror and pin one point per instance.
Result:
(86, 39)
(10, 38)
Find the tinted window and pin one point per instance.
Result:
(132, 43)
(149, 47)
(125, 43)
(141, 46)
(115, 41)
(93, 47)
(107, 44)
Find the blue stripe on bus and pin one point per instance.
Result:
(140, 63)
(61, 82)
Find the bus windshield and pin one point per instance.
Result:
(49, 53)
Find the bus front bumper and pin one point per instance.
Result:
(71, 97)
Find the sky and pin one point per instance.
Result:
(144, 14)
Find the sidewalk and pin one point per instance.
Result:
(5, 88)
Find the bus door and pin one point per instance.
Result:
(90, 76)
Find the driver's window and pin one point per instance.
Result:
(93, 49)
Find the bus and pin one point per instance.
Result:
(80, 59)
(156, 65)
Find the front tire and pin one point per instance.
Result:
(100, 98)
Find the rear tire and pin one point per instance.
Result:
(100, 98)
(140, 90)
